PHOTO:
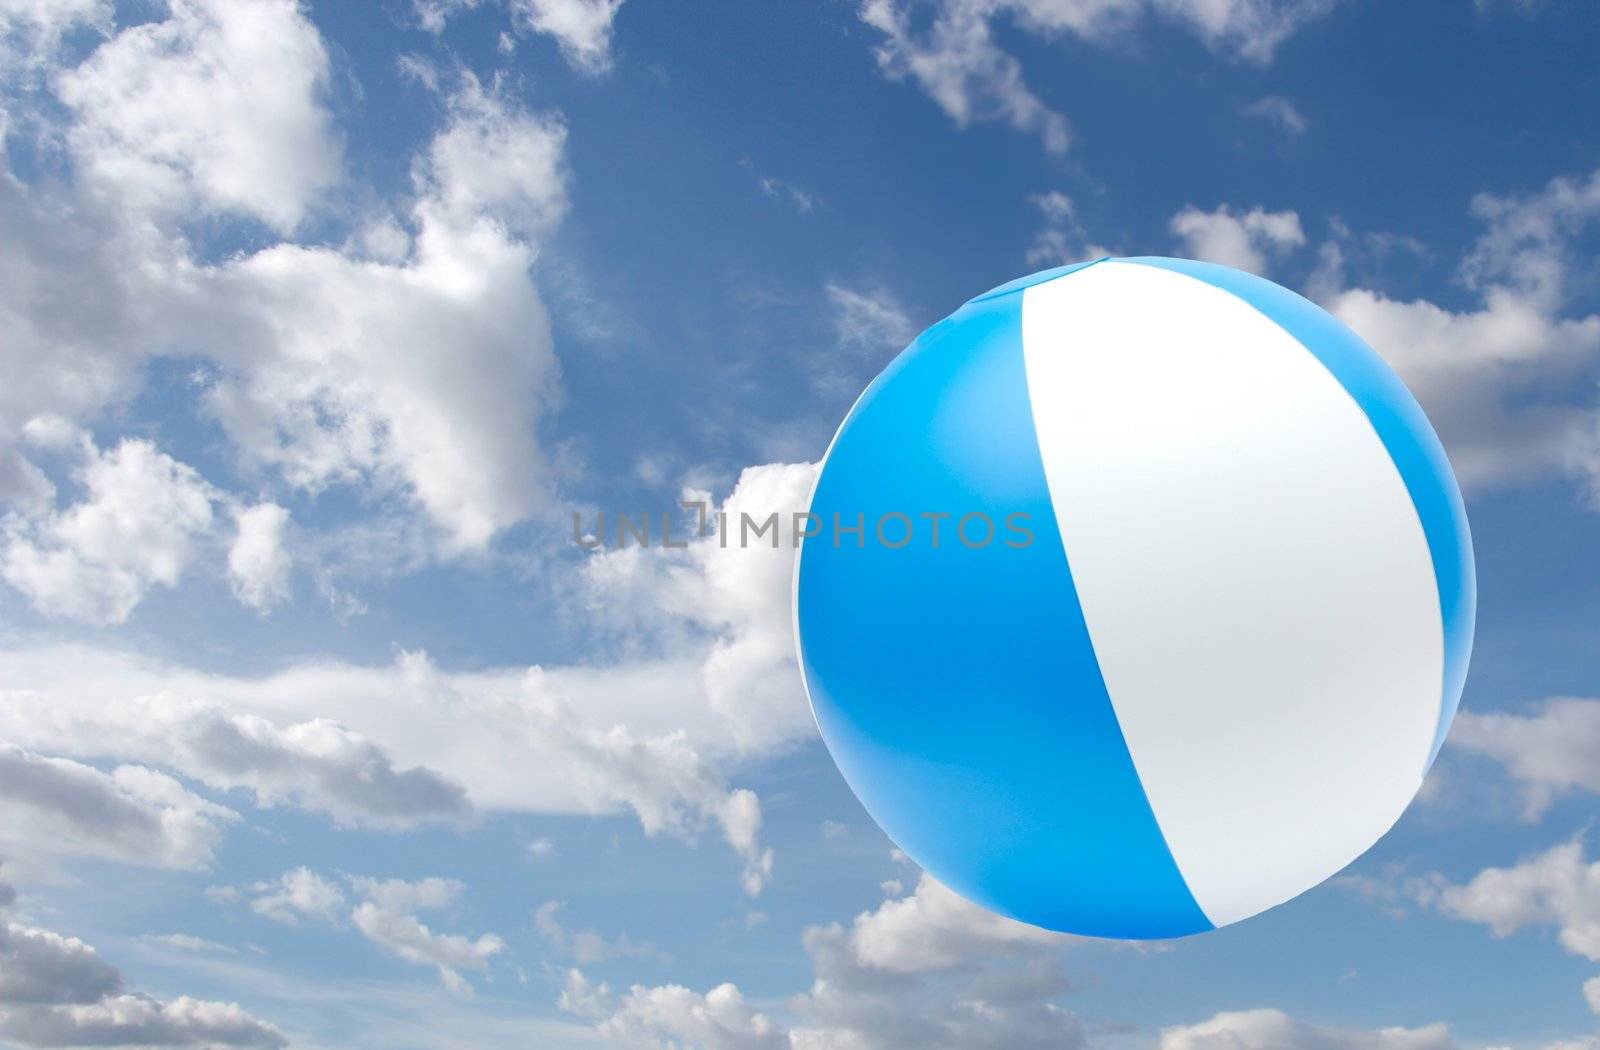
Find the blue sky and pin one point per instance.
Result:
(319, 321)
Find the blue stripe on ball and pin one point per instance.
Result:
(1048, 831)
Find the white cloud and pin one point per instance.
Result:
(428, 376)
(134, 529)
(385, 913)
(68, 301)
(704, 680)
(57, 808)
(297, 895)
(494, 161)
(718, 1020)
(961, 67)
(708, 684)
(1495, 381)
(417, 362)
(1250, 29)
(958, 63)
(1250, 241)
(582, 28)
(1000, 994)
(387, 918)
(141, 1021)
(1509, 382)
(584, 997)
(735, 599)
(1549, 752)
(258, 564)
(215, 107)
(57, 991)
(1276, 1030)
(32, 30)
(934, 929)
(929, 970)
(1280, 113)
(1063, 238)
(316, 764)
(1528, 246)
(518, 741)
(869, 321)
(1557, 888)
(672, 1015)
(42, 967)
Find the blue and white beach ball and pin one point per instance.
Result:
(1196, 617)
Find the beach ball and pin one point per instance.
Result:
(1135, 598)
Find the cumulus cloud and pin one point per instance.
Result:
(582, 28)
(927, 970)
(702, 680)
(720, 1019)
(45, 968)
(429, 374)
(934, 930)
(385, 912)
(957, 61)
(1248, 29)
(67, 307)
(1529, 244)
(960, 66)
(135, 528)
(734, 599)
(297, 895)
(413, 360)
(31, 31)
(513, 740)
(315, 764)
(58, 808)
(387, 917)
(258, 564)
(1558, 888)
(1276, 1030)
(1250, 241)
(216, 108)
(141, 1021)
(57, 991)
(932, 969)
(494, 161)
(1496, 380)
(413, 363)
(1508, 382)
(1549, 752)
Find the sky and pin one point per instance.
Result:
(320, 322)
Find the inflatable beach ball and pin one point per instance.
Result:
(1137, 598)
